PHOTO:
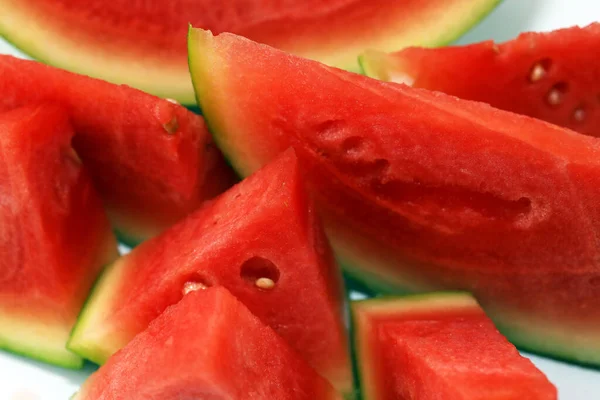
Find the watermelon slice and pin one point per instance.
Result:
(207, 346)
(152, 161)
(142, 43)
(439, 346)
(421, 191)
(262, 241)
(551, 76)
(54, 234)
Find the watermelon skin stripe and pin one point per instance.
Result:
(524, 245)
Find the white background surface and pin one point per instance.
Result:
(22, 379)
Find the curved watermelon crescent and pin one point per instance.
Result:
(50, 41)
(524, 331)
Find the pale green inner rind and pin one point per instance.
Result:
(199, 53)
(21, 340)
(86, 337)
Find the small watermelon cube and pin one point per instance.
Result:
(207, 346)
(439, 346)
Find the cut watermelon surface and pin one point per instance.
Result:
(263, 242)
(421, 191)
(207, 346)
(439, 346)
(54, 234)
(143, 44)
(551, 76)
(152, 161)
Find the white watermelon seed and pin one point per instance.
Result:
(579, 114)
(554, 97)
(264, 283)
(537, 72)
(189, 287)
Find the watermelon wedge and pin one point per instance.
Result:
(263, 242)
(420, 191)
(143, 43)
(54, 234)
(552, 76)
(195, 348)
(152, 161)
(439, 346)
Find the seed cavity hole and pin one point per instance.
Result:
(557, 93)
(539, 70)
(260, 272)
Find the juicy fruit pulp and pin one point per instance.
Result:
(152, 161)
(439, 346)
(54, 234)
(193, 350)
(422, 191)
(263, 242)
(142, 43)
(551, 76)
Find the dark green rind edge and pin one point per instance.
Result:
(126, 239)
(451, 38)
(82, 318)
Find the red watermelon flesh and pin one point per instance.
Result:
(152, 161)
(552, 76)
(265, 227)
(207, 346)
(143, 43)
(54, 234)
(439, 346)
(422, 191)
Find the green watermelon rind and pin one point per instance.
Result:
(74, 344)
(66, 359)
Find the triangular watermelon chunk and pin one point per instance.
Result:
(547, 75)
(263, 242)
(207, 346)
(421, 191)
(152, 161)
(439, 346)
(54, 235)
